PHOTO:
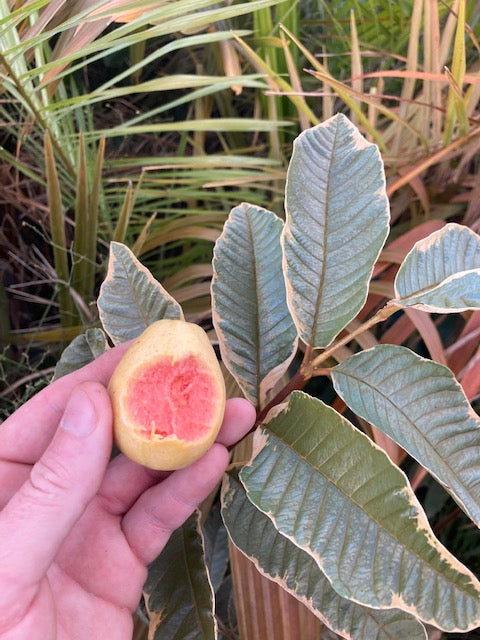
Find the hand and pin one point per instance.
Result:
(76, 531)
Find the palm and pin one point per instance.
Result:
(95, 582)
(95, 619)
(96, 579)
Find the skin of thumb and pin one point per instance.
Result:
(39, 517)
(73, 466)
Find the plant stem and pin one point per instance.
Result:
(310, 368)
(296, 382)
(385, 312)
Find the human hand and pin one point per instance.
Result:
(77, 531)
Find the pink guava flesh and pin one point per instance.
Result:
(172, 398)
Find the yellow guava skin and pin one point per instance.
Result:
(173, 341)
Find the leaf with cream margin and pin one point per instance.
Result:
(441, 273)
(178, 592)
(337, 221)
(130, 298)
(328, 488)
(81, 351)
(419, 404)
(254, 326)
(277, 558)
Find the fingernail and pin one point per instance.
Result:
(79, 417)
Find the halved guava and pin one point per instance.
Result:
(168, 396)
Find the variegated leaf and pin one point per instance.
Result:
(296, 571)
(130, 298)
(336, 495)
(178, 593)
(256, 332)
(337, 222)
(442, 272)
(83, 349)
(419, 404)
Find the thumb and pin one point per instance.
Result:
(40, 515)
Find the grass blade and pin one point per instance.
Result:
(59, 241)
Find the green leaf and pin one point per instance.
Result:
(297, 572)
(178, 594)
(174, 82)
(81, 351)
(442, 272)
(335, 494)
(59, 241)
(130, 298)
(419, 404)
(82, 225)
(205, 124)
(256, 332)
(216, 547)
(337, 222)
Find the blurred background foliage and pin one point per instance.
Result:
(147, 121)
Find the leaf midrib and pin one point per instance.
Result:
(257, 301)
(433, 287)
(325, 238)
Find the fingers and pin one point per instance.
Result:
(125, 480)
(12, 476)
(26, 434)
(238, 420)
(40, 515)
(164, 507)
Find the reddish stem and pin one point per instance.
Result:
(310, 366)
(298, 381)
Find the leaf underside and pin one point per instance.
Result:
(130, 298)
(442, 272)
(327, 487)
(81, 351)
(419, 404)
(254, 326)
(336, 224)
(297, 572)
(178, 593)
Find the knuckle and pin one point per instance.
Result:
(50, 478)
(172, 513)
(112, 503)
(156, 521)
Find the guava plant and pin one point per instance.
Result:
(319, 507)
